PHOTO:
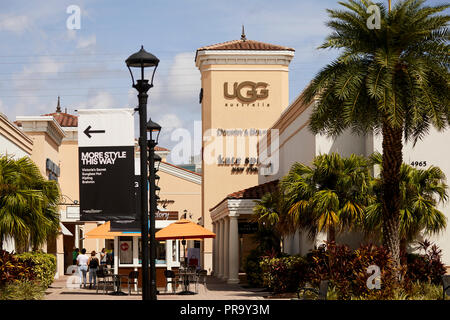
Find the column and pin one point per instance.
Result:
(214, 267)
(116, 255)
(169, 261)
(59, 255)
(233, 273)
(226, 250)
(220, 255)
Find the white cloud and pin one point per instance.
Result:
(184, 77)
(44, 67)
(87, 42)
(170, 121)
(101, 99)
(16, 24)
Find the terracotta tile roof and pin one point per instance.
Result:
(255, 192)
(245, 45)
(158, 148)
(64, 119)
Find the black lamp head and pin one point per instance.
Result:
(142, 59)
(153, 127)
(157, 158)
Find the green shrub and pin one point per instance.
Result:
(44, 266)
(283, 274)
(22, 290)
(253, 269)
(13, 269)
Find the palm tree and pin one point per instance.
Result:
(28, 203)
(421, 191)
(270, 212)
(329, 196)
(393, 80)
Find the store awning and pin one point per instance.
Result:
(103, 231)
(184, 230)
(64, 230)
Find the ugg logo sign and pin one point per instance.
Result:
(257, 91)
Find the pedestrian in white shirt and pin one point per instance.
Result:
(82, 263)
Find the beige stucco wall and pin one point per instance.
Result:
(44, 147)
(185, 194)
(68, 180)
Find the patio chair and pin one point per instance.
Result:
(201, 278)
(445, 286)
(133, 280)
(192, 269)
(169, 274)
(321, 292)
(103, 278)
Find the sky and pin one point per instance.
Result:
(41, 58)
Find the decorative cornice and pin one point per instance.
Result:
(243, 57)
(15, 135)
(232, 208)
(46, 124)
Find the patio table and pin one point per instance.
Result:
(117, 284)
(185, 277)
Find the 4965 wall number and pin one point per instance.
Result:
(419, 163)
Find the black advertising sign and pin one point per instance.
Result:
(106, 165)
(131, 225)
(247, 227)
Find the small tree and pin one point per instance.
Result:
(28, 203)
(329, 196)
(421, 190)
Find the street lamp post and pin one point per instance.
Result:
(153, 127)
(142, 59)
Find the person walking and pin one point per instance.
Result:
(75, 254)
(82, 263)
(93, 264)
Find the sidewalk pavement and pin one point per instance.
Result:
(215, 289)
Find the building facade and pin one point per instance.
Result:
(244, 90)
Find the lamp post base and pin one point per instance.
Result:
(185, 293)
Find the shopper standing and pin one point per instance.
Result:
(103, 257)
(75, 254)
(93, 264)
(82, 263)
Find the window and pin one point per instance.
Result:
(126, 250)
(160, 252)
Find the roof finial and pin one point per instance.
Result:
(58, 106)
(243, 37)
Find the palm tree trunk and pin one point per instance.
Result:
(392, 161)
(331, 236)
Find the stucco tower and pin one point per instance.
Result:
(245, 88)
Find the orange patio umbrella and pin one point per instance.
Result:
(103, 231)
(183, 230)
